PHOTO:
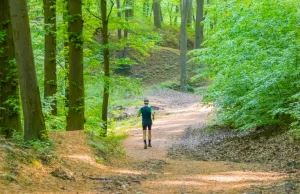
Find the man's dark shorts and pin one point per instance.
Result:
(145, 127)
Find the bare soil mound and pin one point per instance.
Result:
(276, 150)
(160, 66)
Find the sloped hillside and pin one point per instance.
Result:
(162, 65)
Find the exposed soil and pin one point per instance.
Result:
(278, 149)
(143, 170)
(162, 65)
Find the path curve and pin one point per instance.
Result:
(187, 176)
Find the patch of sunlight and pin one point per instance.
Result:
(239, 176)
(86, 159)
(89, 160)
(169, 126)
(125, 171)
(181, 183)
(37, 164)
(220, 181)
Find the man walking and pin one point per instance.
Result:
(146, 112)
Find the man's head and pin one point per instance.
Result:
(146, 101)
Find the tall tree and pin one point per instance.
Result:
(66, 54)
(176, 17)
(146, 8)
(75, 118)
(120, 53)
(9, 96)
(104, 30)
(199, 27)
(119, 16)
(34, 122)
(157, 13)
(129, 13)
(130, 8)
(190, 14)
(183, 44)
(50, 81)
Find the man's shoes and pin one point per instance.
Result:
(149, 145)
(145, 146)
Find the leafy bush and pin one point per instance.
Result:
(251, 55)
(34, 149)
(108, 148)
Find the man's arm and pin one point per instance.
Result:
(152, 113)
(139, 113)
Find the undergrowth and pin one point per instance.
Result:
(18, 152)
(108, 149)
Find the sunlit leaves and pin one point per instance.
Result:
(252, 56)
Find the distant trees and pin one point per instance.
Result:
(104, 32)
(183, 44)
(146, 8)
(59, 45)
(157, 13)
(9, 85)
(199, 27)
(50, 80)
(34, 123)
(75, 118)
(190, 14)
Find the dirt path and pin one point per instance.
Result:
(185, 176)
(143, 171)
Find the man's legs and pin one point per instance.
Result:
(144, 136)
(149, 135)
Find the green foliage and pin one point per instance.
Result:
(9, 177)
(40, 147)
(175, 85)
(108, 149)
(2, 35)
(252, 57)
(121, 88)
(22, 152)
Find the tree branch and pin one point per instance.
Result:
(98, 17)
(111, 8)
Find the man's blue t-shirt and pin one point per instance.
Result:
(146, 112)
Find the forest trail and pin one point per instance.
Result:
(148, 171)
(183, 175)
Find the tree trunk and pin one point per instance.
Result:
(128, 15)
(146, 8)
(50, 82)
(106, 64)
(34, 122)
(156, 13)
(119, 16)
(183, 45)
(131, 10)
(161, 15)
(170, 11)
(190, 14)
(199, 27)
(9, 112)
(66, 56)
(120, 53)
(75, 119)
(176, 17)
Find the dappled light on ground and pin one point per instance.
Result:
(213, 182)
(146, 170)
(181, 176)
